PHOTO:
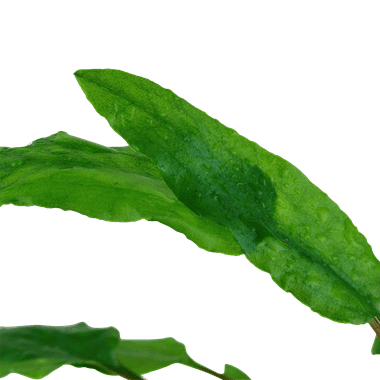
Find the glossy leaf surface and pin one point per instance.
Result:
(36, 351)
(285, 224)
(112, 184)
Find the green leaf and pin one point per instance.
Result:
(376, 346)
(234, 372)
(150, 355)
(285, 225)
(36, 351)
(145, 356)
(113, 184)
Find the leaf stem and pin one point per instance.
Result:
(375, 324)
(125, 376)
(210, 371)
(132, 376)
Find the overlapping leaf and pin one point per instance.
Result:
(36, 351)
(285, 225)
(112, 184)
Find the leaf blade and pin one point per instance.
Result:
(234, 372)
(36, 351)
(150, 355)
(112, 184)
(263, 199)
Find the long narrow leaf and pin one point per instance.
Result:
(36, 351)
(112, 184)
(285, 224)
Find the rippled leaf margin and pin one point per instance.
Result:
(285, 225)
(36, 351)
(112, 184)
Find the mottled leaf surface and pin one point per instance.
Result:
(285, 224)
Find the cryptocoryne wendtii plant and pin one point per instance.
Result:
(192, 173)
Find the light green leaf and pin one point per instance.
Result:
(112, 184)
(36, 351)
(285, 225)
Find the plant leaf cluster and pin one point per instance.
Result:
(188, 171)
